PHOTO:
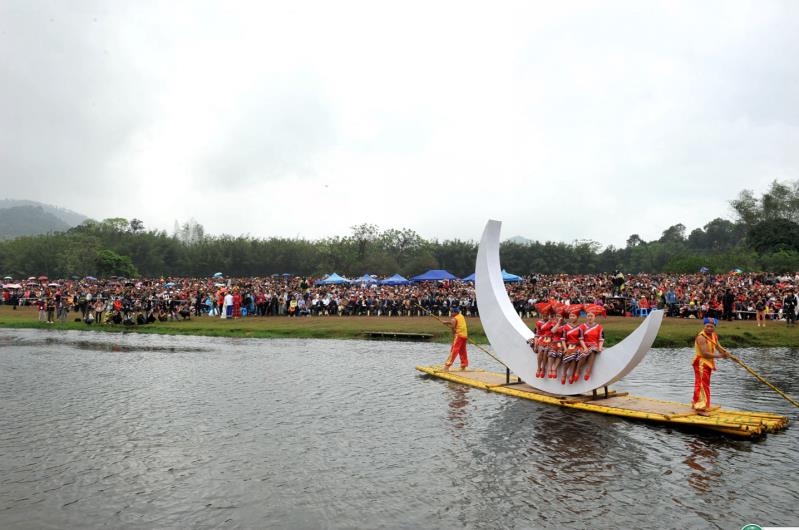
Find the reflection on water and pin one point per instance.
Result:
(702, 461)
(457, 404)
(132, 431)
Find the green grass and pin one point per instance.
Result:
(674, 332)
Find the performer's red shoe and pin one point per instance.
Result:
(587, 377)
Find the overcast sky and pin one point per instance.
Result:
(566, 120)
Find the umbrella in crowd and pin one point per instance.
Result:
(8, 278)
(169, 284)
(12, 286)
(218, 275)
(43, 278)
(90, 278)
(53, 284)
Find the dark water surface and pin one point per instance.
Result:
(137, 431)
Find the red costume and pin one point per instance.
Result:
(703, 367)
(554, 346)
(539, 332)
(572, 335)
(592, 336)
(458, 348)
(236, 305)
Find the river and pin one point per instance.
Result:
(148, 431)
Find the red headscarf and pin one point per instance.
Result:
(597, 310)
(574, 309)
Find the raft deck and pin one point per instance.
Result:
(733, 422)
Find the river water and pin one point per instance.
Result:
(143, 431)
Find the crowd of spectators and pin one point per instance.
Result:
(137, 302)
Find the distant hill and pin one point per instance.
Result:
(68, 217)
(519, 240)
(32, 218)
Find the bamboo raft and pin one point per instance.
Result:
(732, 422)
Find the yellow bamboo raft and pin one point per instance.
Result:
(733, 422)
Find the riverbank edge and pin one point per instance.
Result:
(674, 333)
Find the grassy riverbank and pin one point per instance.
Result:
(674, 332)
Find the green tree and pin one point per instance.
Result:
(673, 234)
(363, 235)
(634, 240)
(780, 201)
(109, 263)
(773, 235)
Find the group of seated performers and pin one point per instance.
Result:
(567, 346)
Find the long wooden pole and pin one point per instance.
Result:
(473, 343)
(739, 362)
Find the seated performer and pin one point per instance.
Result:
(594, 339)
(554, 346)
(543, 336)
(572, 340)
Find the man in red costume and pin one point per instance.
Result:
(708, 350)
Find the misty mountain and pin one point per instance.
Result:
(68, 217)
(28, 220)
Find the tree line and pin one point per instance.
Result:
(763, 236)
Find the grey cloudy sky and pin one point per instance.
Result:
(581, 120)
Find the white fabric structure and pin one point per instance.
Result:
(508, 334)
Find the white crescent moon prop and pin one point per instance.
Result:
(508, 334)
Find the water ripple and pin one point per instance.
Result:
(134, 431)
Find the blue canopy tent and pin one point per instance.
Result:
(434, 275)
(510, 278)
(506, 277)
(395, 280)
(333, 279)
(366, 278)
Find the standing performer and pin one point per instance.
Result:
(594, 339)
(706, 346)
(458, 325)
